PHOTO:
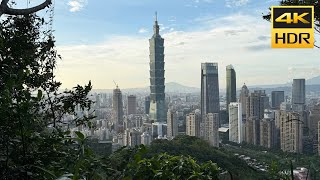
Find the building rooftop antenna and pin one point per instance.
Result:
(115, 84)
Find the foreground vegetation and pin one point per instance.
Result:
(230, 166)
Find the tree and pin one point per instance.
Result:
(161, 166)
(315, 3)
(5, 9)
(35, 141)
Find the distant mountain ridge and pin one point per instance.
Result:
(173, 87)
(312, 81)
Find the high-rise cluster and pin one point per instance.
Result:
(281, 122)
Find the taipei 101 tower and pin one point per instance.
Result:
(158, 111)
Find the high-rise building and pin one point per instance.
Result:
(147, 105)
(231, 95)
(157, 96)
(172, 124)
(209, 89)
(193, 124)
(301, 108)
(243, 99)
(291, 132)
(299, 91)
(212, 129)
(132, 105)
(254, 114)
(255, 104)
(266, 101)
(235, 123)
(252, 130)
(159, 130)
(268, 133)
(277, 97)
(117, 108)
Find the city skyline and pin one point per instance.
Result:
(202, 31)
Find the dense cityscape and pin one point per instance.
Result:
(284, 120)
(237, 121)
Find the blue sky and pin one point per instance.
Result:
(95, 20)
(106, 40)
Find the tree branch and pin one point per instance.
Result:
(5, 9)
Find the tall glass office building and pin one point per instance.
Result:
(209, 89)
(158, 111)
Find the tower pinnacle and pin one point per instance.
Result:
(156, 17)
(156, 26)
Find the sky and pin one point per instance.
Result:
(107, 40)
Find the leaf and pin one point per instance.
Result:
(67, 132)
(80, 135)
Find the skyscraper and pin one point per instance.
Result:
(209, 89)
(235, 123)
(243, 99)
(254, 114)
(255, 104)
(277, 97)
(172, 124)
(132, 105)
(299, 91)
(147, 104)
(231, 85)
(117, 108)
(157, 96)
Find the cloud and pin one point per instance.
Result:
(259, 47)
(205, 1)
(263, 38)
(126, 58)
(172, 19)
(77, 5)
(303, 71)
(236, 3)
(234, 32)
(143, 30)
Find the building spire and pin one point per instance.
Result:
(156, 17)
(156, 26)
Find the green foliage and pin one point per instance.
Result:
(164, 166)
(160, 166)
(203, 152)
(186, 148)
(33, 141)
